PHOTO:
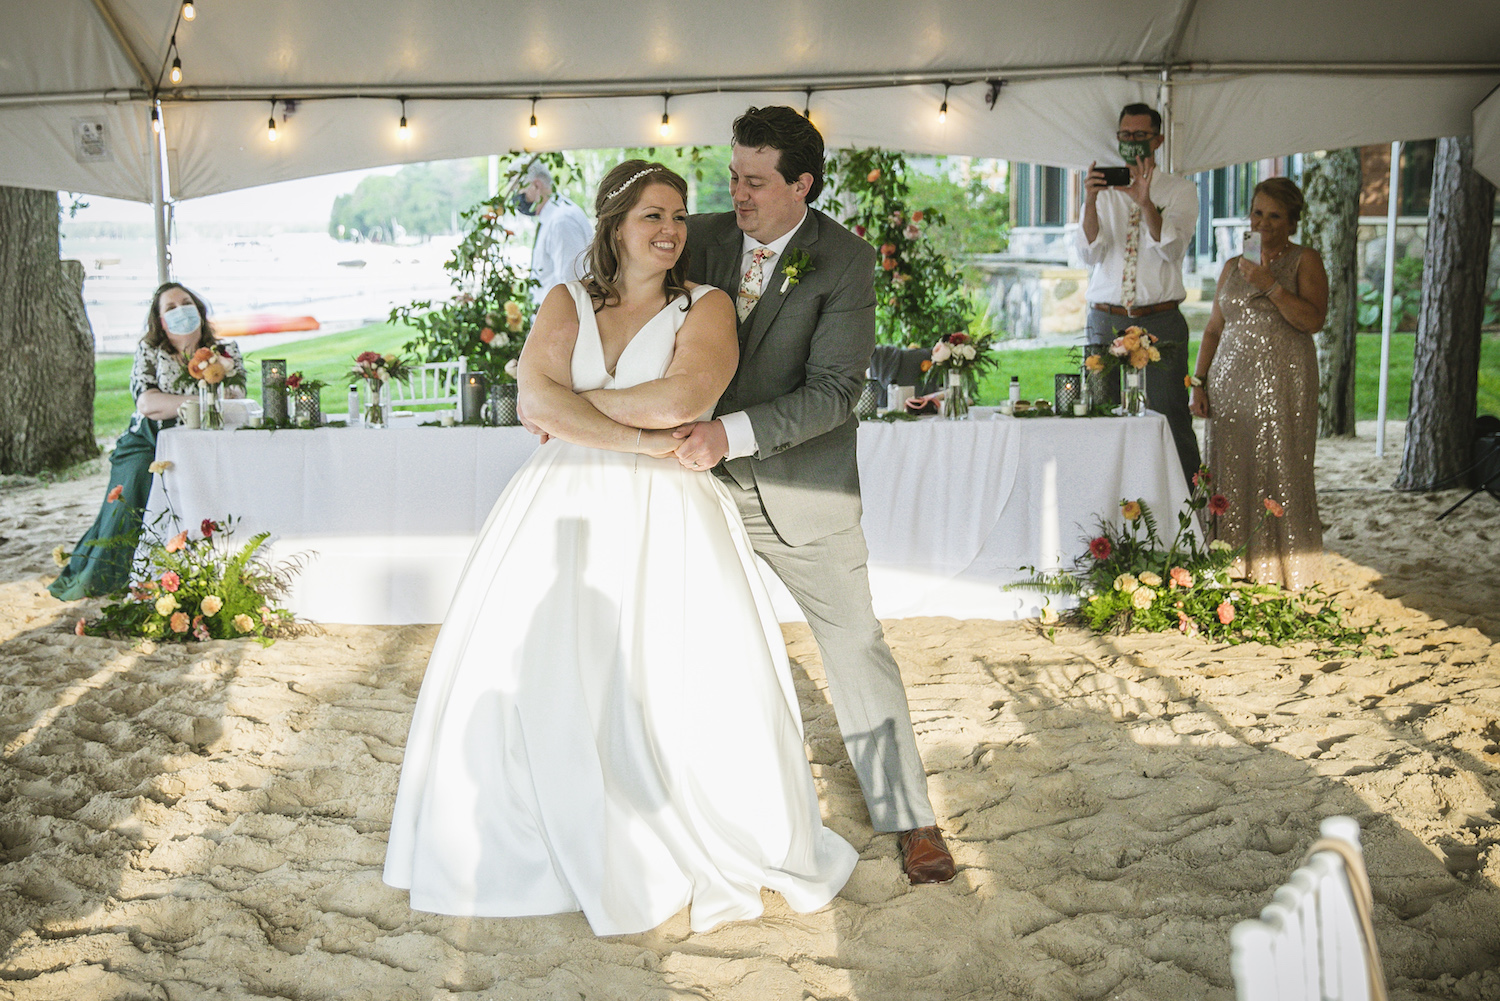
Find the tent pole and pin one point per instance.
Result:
(494, 174)
(1164, 102)
(1390, 289)
(158, 208)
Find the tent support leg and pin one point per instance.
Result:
(158, 208)
(1392, 186)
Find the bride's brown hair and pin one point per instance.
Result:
(618, 194)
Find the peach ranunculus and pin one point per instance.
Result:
(1130, 510)
(1154, 353)
(1275, 508)
(177, 542)
(1127, 583)
(1139, 357)
(1094, 363)
(1180, 577)
(179, 622)
(116, 493)
(170, 581)
(1149, 578)
(212, 604)
(213, 373)
(1226, 613)
(243, 623)
(1142, 597)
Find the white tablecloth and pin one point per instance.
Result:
(953, 509)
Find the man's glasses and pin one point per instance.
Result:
(1126, 137)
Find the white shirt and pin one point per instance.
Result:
(562, 243)
(1158, 274)
(737, 425)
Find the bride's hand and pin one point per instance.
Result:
(657, 444)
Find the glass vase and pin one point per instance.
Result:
(955, 400)
(376, 415)
(1133, 398)
(211, 406)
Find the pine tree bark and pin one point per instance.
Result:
(1445, 370)
(1330, 225)
(46, 344)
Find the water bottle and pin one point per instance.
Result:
(353, 405)
(1015, 390)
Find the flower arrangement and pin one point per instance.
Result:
(201, 587)
(1130, 580)
(376, 367)
(208, 371)
(297, 381)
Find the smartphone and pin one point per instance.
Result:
(1252, 248)
(1115, 177)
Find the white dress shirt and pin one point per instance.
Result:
(562, 242)
(737, 425)
(1158, 276)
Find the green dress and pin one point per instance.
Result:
(101, 560)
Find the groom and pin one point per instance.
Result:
(783, 443)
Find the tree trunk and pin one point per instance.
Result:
(46, 344)
(1330, 225)
(1445, 370)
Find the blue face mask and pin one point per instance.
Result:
(182, 319)
(522, 204)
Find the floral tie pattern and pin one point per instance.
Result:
(751, 283)
(1132, 255)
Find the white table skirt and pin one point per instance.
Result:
(953, 509)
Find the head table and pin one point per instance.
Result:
(952, 509)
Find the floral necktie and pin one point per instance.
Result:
(1132, 256)
(751, 282)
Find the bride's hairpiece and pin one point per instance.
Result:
(633, 178)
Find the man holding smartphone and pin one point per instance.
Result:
(1136, 226)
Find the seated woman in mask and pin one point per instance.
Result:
(176, 326)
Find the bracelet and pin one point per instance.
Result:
(1195, 382)
(638, 433)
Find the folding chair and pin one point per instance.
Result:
(1315, 941)
(435, 382)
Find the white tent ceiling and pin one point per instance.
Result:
(1246, 80)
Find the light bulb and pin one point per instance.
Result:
(666, 125)
(402, 132)
(533, 130)
(177, 70)
(155, 121)
(188, 10)
(271, 130)
(943, 113)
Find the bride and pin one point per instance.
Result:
(608, 722)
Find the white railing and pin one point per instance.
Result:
(436, 382)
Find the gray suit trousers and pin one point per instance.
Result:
(1164, 388)
(831, 583)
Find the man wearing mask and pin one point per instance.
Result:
(563, 232)
(1134, 238)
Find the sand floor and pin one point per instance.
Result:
(209, 822)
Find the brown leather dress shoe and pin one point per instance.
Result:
(925, 856)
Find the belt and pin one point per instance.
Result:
(1155, 307)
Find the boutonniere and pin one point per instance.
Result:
(798, 263)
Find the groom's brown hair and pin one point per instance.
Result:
(794, 137)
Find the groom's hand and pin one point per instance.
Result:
(704, 444)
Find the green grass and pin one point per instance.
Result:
(327, 358)
(1036, 368)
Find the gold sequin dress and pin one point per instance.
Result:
(1262, 430)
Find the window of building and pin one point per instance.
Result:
(1041, 195)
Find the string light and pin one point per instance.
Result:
(271, 125)
(943, 111)
(177, 69)
(188, 10)
(666, 121)
(807, 105)
(532, 131)
(402, 132)
(155, 120)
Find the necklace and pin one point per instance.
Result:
(1268, 259)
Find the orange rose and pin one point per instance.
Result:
(213, 373)
(1094, 363)
(889, 264)
(927, 364)
(486, 335)
(200, 358)
(873, 175)
(1139, 358)
(116, 493)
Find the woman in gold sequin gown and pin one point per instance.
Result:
(1258, 370)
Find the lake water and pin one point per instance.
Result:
(343, 285)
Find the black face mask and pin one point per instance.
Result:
(522, 204)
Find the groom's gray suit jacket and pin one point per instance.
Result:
(803, 358)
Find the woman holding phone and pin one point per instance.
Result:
(1257, 384)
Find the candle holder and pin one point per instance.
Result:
(503, 405)
(471, 398)
(309, 408)
(273, 390)
(1067, 389)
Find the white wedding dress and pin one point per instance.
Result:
(608, 721)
